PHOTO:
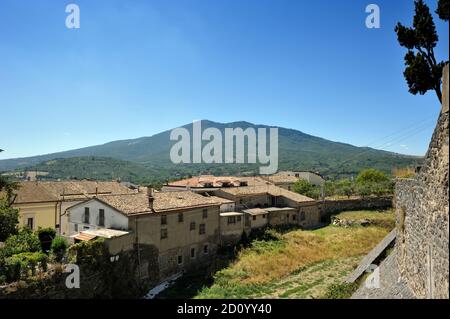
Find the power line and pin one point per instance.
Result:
(411, 130)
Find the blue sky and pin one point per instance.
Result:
(136, 68)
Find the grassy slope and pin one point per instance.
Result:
(301, 264)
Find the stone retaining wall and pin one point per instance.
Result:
(422, 217)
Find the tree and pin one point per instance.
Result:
(8, 187)
(345, 187)
(302, 186)
(25, 241)
(423, 72)
(443, 10)
(9, 218)
(371, 175)
(59, 247)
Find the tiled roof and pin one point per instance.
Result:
(255, 211)
(31, 192)
(268, 189)
(282, 179)
(175, 200)
(163, 201)
(217, 181)
(221, 200)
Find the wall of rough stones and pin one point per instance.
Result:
(330, 207)
(422, 217)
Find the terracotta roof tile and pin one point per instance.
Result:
(163, 201)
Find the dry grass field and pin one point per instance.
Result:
(299, 263)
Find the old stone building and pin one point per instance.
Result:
(172, 231)
(306, 210)
(43, 204)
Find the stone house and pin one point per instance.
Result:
(255, 218)
(172, 231)
(43, 204)
(302, 210)
(231, 228)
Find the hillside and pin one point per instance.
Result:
(297, 150)
(91, 167)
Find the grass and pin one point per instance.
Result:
(298, 263)
(384, 218)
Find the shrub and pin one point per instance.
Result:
(21, 265)
(25, 241)
(87, 252)
(46, 236)
(341, 291)
(58, 247)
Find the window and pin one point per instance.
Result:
(231, 220)
(192, 226)
(205, 249)
(180, 259)
(192, 253)
(264, 215)
(101, 217)
(164, 233)
(254, 217)
(163, 219)
(302, 216)
(75, 227)
(180, 217)
(202, 229)
(30, 222)
(294, 217)
(289, 188)
(86, 215)
(287, 216)
(238, 219)
(205, 213)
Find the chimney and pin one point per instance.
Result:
(151, 198)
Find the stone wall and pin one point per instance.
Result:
(330, 207)
(422, 217)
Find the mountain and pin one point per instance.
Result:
(147, 158)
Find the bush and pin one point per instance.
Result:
(341, 291)
(90, 252)
(21, 265)
(46, 236)
(58, 247)
(25, 241)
